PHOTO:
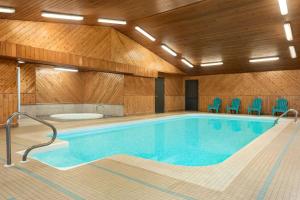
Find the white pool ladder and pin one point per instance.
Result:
(8, 137)
(285, 113)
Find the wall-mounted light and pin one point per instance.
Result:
(167, 49)
(288, 31)
(211, 64)
(150, 37)
(112, 21)
(66, 69)
(186, 62)
(293, 52)
(267, 59)
(7, 10)
(62, 16)
(283, 7)
(21, 61)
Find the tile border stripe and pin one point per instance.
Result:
(164, 190)
(267, 183)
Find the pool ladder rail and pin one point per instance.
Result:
(285, 113)
(27, 151)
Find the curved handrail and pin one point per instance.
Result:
(286, 112)
(8, 136)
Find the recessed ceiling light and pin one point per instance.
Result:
(7, 10)
(283, 7)
(62, 16)
(288, 31)
(293, 51)
(186, 62)
(66, 69)
(211, 64)
(170, 51)
(139, 29)
(267, 59)
(112, 21)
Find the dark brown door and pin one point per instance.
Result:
(159, 95)
(191, 95)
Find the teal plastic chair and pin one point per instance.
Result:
(280, 107)
(256, 106)
(216, 105)
(235, 106)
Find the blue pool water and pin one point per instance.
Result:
(190, 140)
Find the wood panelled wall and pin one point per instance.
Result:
(139, 95)
(246, 86)
(94, 47)
(28, 84)
(56, 87)
(8, 89)
(106, 88)
(174, 94)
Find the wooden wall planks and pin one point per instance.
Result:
(174, 94)
(94, 47)
(54, 86)
(138, 95)
(8, 89)
(267, 85)
(106, 88)
(28, 84)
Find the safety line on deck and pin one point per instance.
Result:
(176, 194)
(47, 182)
(179, 195)
(264, 189)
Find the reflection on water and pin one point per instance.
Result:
(235, 125)
(215, 124)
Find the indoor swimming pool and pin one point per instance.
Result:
(186, 140)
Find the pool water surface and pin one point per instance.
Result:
(188, 140)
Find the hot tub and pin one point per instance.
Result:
(77, 116)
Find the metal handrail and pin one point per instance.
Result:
(8, 136)
(285, 113)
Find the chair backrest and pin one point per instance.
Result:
(217, 101)
(235, 102)
(257, 103)
(281, 103)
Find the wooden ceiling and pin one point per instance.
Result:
(200, 30)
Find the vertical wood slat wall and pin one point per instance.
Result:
(267, 85)
(139, 95)
(174, 94)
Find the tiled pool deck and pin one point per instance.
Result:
(273, 173)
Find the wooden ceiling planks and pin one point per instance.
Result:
(200, 30)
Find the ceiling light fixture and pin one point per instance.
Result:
(283, 7)
(66, 69)
(7, 10)
(211, 64)
(112, 21)
(170, 51)
(139, 29)
(21, 62)
(62, 16)
(293, 52)
(288, 31)
(186, 62)
(256, 60)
